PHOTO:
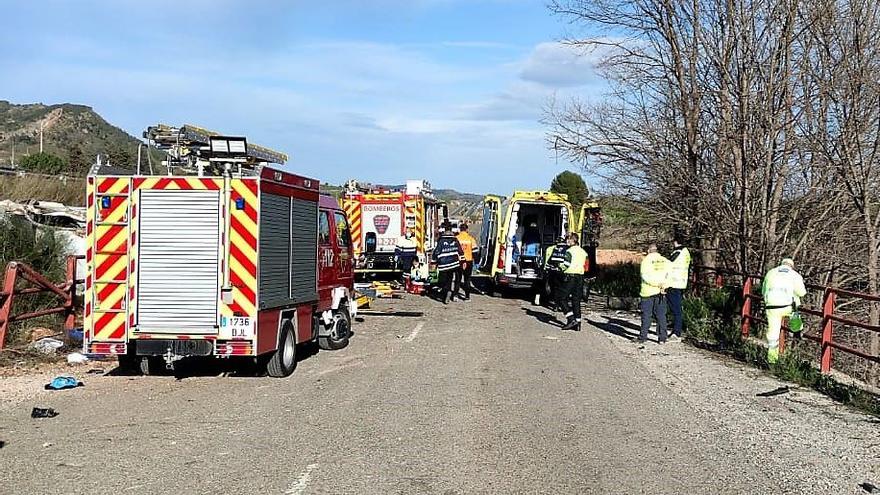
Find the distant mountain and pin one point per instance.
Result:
(76, 133)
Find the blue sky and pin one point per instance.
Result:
(378, 90)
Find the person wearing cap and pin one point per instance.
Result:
(782, 290)
(654, 271)
(679, 265)
(572, 287)
(448, 255)
(463, 277)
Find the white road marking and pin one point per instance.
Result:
(299, 486)
(415, 332)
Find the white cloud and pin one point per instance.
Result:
(559, 65)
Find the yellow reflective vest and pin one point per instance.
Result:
(678, 269)
(782, 287)
(654, 271)
(575, 261)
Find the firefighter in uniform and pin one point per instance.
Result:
(463, 277)
(405, 250)
(553, 258)
(571, 289)
(447, 255)
(679, 264)
(782, 290)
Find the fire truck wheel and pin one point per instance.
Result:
(342, 321)
(283, 360)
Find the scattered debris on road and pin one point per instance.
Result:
(48, 345)
(774, 392)
(77, 358)
(39, 412)
(63, 383)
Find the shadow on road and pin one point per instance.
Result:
(547, 318)
(193, 367)
(616, 326)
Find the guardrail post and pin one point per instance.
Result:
(746, 313)
(6, 306)
(828, 300)
(69, 310)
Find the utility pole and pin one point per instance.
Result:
(13, 151)
(41, 136)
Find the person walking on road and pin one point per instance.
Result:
(571, 289)
(654, 272)
(447, 255)
(679, 266)
(463, 276)
(782, 290)
(553, 258)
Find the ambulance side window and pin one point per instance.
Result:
(343, 236)
(324, 227)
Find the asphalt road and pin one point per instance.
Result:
(479, 397)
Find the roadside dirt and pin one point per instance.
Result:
(614, 256)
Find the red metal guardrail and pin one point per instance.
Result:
(825, 337)
(66, 292)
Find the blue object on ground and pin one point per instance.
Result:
(76, 334)
(63, 383)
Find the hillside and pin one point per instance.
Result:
(75, 133)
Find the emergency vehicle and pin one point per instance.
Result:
(221, 255)
(517, 230)
(379, 216)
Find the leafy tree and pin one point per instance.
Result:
(573, 185)
(43, 163)
(77, 159)
(121, 156)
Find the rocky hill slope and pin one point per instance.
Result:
(75, 133)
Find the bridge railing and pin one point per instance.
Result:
(823, 334)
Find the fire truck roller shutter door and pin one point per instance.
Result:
(179, 253)
(288, 251)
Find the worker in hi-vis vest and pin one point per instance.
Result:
(571, 289)
(463, 277)
(782, 290)
(406, 250)
(655, 272)
(553, 258)
(679, 266)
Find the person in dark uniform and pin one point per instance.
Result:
(553, 258)
(448, 255)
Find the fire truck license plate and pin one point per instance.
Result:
(238, 326)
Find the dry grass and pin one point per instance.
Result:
(69, 191)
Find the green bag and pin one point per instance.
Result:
(795, 322)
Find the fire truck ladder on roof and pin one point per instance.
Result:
(189, 144)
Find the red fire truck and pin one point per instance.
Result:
(380, 215)
(223, 255)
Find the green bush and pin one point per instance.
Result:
(45, 252)
(712, 320)
(618, 280)
(43, 163)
